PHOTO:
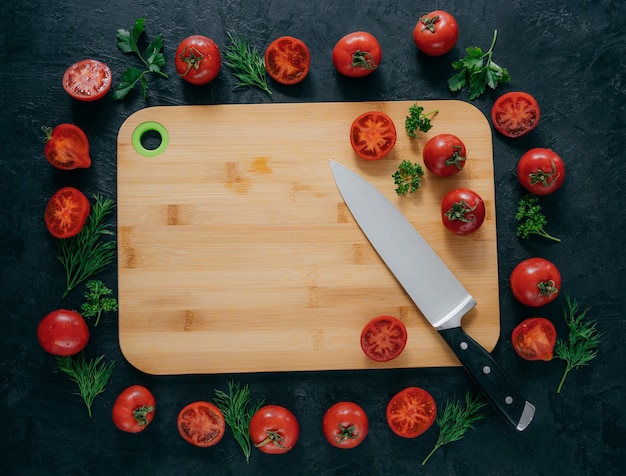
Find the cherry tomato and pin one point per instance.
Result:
(274, 429)
(134, 409)
(411, 412)
(541, 171)
(436, 33)
(201, 424)
(383, 338)
(67, 147)
(87, 80)
(67, 212)
(357, 54)
(515, 114)
(535, 282)
(444, 155)
(373, 135)
(462, 211)
(287, 60)
(198, 60)
(345, 425)
(63, 332)
(534, 339)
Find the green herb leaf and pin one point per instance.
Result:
(531, 220)
(408, 177)
(97, 301)
(417, 120)
(246, 63)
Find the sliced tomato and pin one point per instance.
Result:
(287, 60)
(373, 135)
(201, 424)
(87, 80)
(515, 114)
(534, 339)
(67, 212)
(383, 338)
(411, 412)
(67, 147)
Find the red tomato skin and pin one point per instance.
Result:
(201, 424)
(444, 155)
(373, 135)
(66, 212)
(67, 148)
(287, 60)
(443, 37)
(535, 282)
(63, 332)
(541, 171)
(383, 338)
(411, 412)
(462, 211)
(135, 400)
(515, 114)
(357, 54)
(198, 60)
(345, 425)
(274, 429)
(534, 339)
(87, 80)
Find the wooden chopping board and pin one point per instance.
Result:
(237, 253)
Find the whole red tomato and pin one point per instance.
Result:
(198, 59)
(411, 412)
(383, 338)
(63, 332)
(87, 80)
(66, 212)
(134, 409)
(274, 429)
(515, 114)
(436, 33)
(357, 54)
(345, 425)
(534, 339)
(541, 171)
(535, 282)
(444, 155)
(287, 60)
(201, 424)
(67, 147)
(462, 211)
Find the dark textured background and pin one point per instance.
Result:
(570, 55)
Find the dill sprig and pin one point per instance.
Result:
(455, 420)
(584, 339)
(531, 220)
(246, 62)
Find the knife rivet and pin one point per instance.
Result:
(486, 369)
(463, 345)
(508, 400)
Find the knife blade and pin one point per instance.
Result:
(431, 285)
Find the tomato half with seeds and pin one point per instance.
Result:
(87, 80)
(541, 171)
(198, 60)
(436, 33)
(534, 339)
(67, 212)
(134, 409)
(345, 425)
(63, 332)
(287, 60)
(274, 429)
(535, 282)
(373, 135)
(515, 114)
(201, 424)
(411, 412)
(462, 211)
(67, 147)
(444, 155)
(383, 338)
(357, 54)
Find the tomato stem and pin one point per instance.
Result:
(364, 59)
(140, 414)
(273, 437)
(346, 433)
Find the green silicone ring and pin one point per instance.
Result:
(147, 127)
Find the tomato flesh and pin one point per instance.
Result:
(534, 339)
(373, 135)
(287, 60)
(383, 338)
(515, 114)
(67, 212)
(201, 424)
(63, 332)
(411, 412)
(87, 80)
(67, 147)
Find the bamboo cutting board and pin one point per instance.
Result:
(237, 253)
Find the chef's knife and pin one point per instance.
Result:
(433, 288)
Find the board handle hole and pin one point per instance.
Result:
(150, 139)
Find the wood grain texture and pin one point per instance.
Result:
(237, 253)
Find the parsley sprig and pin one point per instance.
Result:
(583, 339)
(246, 63)
(477, 70)
(417, 120)
(153, 59)
(530, 219)
(408, 177)
(97, 300)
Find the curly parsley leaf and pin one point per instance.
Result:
(531, 220)
(97, 300)
(417, 120)
(408, 177)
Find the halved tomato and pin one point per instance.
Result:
(67, 147)
(87, 80)
(383, 338)
(411, 412)
(373, 135)
(534, 339)
(287, 60)
(201, 424)
(515, 114)
(67, 212)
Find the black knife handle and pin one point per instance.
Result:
(490, 377)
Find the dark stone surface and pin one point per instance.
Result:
(570, 55)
